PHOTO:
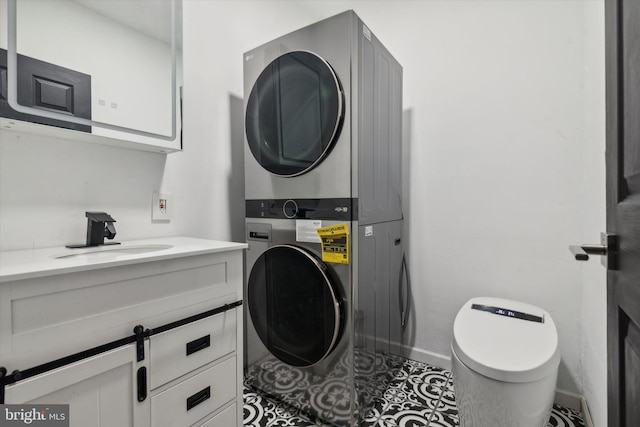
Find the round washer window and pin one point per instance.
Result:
(294, 113)
(293, 305)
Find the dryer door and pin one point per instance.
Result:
(294, 113)
(294, 305)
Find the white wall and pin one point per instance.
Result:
(506, 100)
(497, 144)
(593, 351)
(47, 184)
(504, 155)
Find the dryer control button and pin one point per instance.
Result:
(290, 209)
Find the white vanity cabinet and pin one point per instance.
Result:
(67, 326)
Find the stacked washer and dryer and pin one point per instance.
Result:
(323, 113)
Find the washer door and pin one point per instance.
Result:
(294, 305)
(294, 113)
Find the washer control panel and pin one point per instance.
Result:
(332, 209)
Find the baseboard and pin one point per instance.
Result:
(569, 400)
(424, 356)
(586, 415)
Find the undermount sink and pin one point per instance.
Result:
(110, 252)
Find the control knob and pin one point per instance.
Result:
(290, 209)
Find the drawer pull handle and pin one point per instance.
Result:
(199, 344)
(198, 398)
(142, 384)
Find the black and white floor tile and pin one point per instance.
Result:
(418, 395)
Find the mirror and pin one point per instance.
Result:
(107, 68)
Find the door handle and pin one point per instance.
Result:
(607, 249)
(582, 252)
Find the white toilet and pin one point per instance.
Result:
(505, 361)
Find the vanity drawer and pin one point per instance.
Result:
(226, 418)
(196, 397)
(181, 350)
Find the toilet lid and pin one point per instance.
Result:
(506, 340)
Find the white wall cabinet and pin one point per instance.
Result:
(132, 96)
(189, 305)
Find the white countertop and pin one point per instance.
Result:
(31, 263)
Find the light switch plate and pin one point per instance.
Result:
(161, 207)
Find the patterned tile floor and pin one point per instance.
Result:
(420, 396)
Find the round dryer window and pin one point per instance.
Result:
(293, 305)
(294, 113)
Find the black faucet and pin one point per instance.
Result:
(99, 226)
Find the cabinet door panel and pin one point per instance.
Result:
(100, 390)
(48, 87)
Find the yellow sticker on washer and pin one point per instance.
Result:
(335, 243)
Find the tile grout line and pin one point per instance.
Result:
(402, 385)
(442, 391)
(384, 408)
(388, 404)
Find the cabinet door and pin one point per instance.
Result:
(100, 390)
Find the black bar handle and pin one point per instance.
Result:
(582, 252)
(192, 319)
(198, 344)
(405, 308)
(142, 384)
(140, 334)
(198, 398)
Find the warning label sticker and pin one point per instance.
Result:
(335, 243)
